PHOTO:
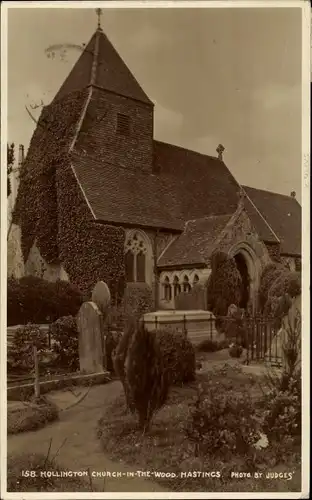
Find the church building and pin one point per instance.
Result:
(99, 197)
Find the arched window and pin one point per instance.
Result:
(186, 285)
(196, 279)
(135, 258)
(176, 286)
(167, 289)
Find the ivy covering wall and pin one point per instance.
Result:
(88, 251)
(51, 209)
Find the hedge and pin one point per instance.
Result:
(34, 300)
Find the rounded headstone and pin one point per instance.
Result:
(101, 296)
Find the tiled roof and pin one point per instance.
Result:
(195, 245)
(283, 214)
(188, 186)
(100, 65)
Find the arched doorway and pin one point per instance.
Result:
(243, 271)
(250, 268)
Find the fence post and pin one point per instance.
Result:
(156, 322)
(37, 385)
(184, 326)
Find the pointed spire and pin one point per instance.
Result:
(99, 13)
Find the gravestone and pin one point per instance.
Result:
(91, 321)
(90, 327)
(101, 296)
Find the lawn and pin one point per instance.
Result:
(167, 449)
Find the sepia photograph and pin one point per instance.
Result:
(155, 249)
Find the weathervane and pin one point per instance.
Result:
(99, 13)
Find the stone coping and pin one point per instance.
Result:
(24, 391)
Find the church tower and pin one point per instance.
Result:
(117, 125)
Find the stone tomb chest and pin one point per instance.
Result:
(199, 324)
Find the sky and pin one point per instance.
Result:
(229, 76)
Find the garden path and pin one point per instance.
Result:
(82, 448)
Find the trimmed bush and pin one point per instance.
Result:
(268, 276)
(138, 300)
(235, 350)
(224, 286)
(146, 376)
(178, 354)
(35, 300)
(65, 335)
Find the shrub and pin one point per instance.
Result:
(138, 299)
(208, 346)
(119, 359)
(222, 422)
(224, 286)
(21, 354)
(285, 287)
(234, 328)
(146, 376)
(35, 300)
(268, 276)
(235, 350)
(178, 354)
(282, 414)
(65, 335)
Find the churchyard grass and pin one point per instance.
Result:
(165, 448)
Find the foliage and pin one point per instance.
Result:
(195, 299)
(22, 349)
(33, 299)
(146, 376)
(51, 209)
(138, 300)
(31, 417)
(283, 403)
(178, 354)
(285, 287)
(221, 422)
(17, 463)
(235, 350)
(268, 276)
(10, 163)
(208, 346)
(282, 414)
(224, 286)
(120, 356)
(64, 332)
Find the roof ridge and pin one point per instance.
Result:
(81, 119)
(269, 192)
(187, 149)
